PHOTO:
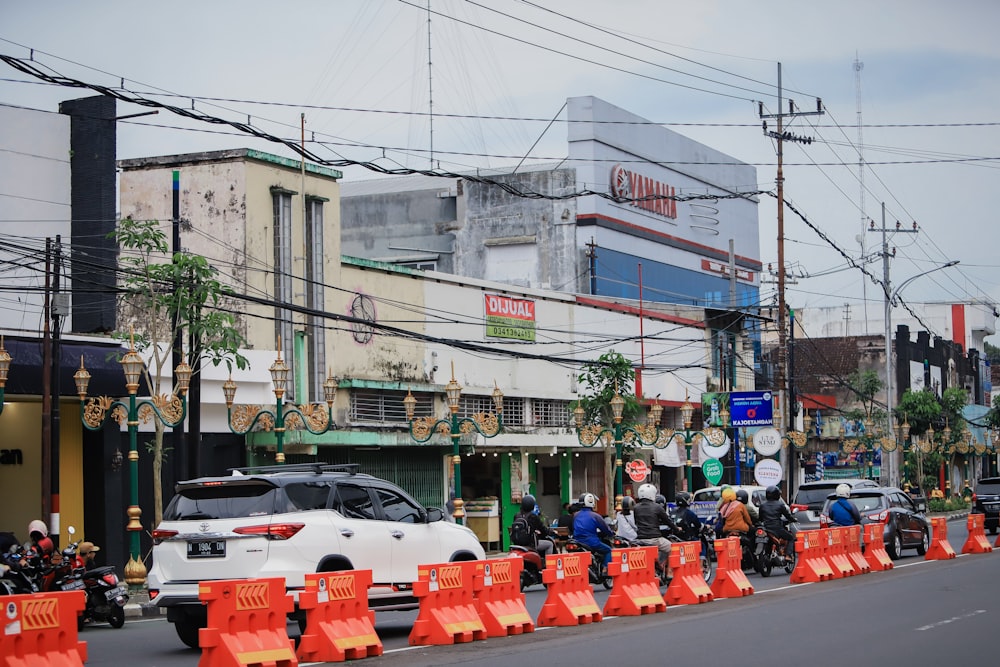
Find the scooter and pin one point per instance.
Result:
(531, 565)
(106, 594)
(596, 572)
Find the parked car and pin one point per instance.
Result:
(284, 521)
(903, 520)
(808, 502)
(986, 500)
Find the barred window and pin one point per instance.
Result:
(372, 405)
(513, 408)
(513, 411)
(546, 412)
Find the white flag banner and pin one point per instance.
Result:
(669, 456)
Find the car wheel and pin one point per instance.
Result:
(925, 543)
(895, 547)
(187, 631)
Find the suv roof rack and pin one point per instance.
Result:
(316, 467)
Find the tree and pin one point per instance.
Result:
(162, 298)
(865, 385)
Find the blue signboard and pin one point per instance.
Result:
(751, 408)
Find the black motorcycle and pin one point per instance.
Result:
(770, 552)
(596, 572)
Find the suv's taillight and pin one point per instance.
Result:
(880, 517)
(274, 531)
(159, 535)
(824, 521)
(974, 498)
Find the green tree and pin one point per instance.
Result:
(865, 385)
(162, 296)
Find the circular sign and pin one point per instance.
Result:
(767, 472)
(714, 451)
(712, 469)
(767, 441)
(637, 470)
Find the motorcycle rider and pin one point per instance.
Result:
(775, 517)
(85, 555)
(625, 521)
(589, 527)
(735, 516)
(538, 537)
(40, 540)
(687, 522)
(744, 497)
(649, 516)
(842, 511)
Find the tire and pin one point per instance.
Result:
(608, 583)
(707, 569)
(925, 543)
(117, 616)
(790, 563)
(525, 580)
(895, 547)
(764, 565)
(187, 631)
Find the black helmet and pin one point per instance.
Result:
(683, 499)
(772, 493)
(661, 500)
(742, 496)
(528, 503)
(627, 504)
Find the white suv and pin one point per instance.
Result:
(284, 521)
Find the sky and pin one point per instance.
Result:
(490, 91)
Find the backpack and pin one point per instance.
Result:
(520, 531)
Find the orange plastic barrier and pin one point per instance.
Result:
(835, 554)
(636, 590)
(940, 549)
(730, 581)
(570, 600)
(40, 629)
(976, 543)
(498, 597)
(447, 609)
(339, 625)
(810, 564)
(688, 585)
(246, 623)
(852, 549)
(875, 554)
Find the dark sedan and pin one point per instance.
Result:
(986, 500)
(905, 526)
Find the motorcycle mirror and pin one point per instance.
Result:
(71, 530)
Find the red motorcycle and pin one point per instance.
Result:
(531, 560)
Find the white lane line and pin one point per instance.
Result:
(950, 620)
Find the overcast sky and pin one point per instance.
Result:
(697, 67)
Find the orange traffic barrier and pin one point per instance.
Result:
(246, 623)
(835, 554)
(570, 599)
(810, 564)
(875, 554)
(976, 543)
(636, 590)
(688, 585)
(40, 629)
(730, 581)
(498, 597)
(852, 549)
(940, 549)
(339, 625)
(447, 608)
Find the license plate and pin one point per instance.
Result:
(212, 549)
(992, 506)
(72, 585)
(115, 592)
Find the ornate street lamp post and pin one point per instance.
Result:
(645, 434)
(169, 410)
(312, 418)
(869, 438)
(4, 369)
(487, 424)
(715, 436)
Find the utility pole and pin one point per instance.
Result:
(781, 136)
(889, 462)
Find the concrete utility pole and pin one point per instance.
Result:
(781, 136)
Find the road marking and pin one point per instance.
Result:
(950, 620)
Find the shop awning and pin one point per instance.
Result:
(101, 360)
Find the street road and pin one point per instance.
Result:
(920, 613)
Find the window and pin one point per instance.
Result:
(315, 258)
(282, 224)
(354, 502)
(397, 508)
(513, 411)
(370, 405)
(550, 413)
(304, 496)
(472, 405)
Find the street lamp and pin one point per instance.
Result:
(890, 302)
(311, 417)
(487, 424)
(591, 434)
(715, 436)
(170, 410)
(869, 437)
(4, 369)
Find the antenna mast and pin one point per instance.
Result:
(858, 66)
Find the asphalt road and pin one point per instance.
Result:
(920, 613)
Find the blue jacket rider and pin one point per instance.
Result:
(589, 526)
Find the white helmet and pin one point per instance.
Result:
(843, 490)
(647, 492)
(588, 500)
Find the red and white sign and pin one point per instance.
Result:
(644, 192)
(723, 269)
(637, 470)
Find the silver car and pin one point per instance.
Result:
(809, 499)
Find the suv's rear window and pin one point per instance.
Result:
(225, 501)
(990, 486)
(814, 495)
